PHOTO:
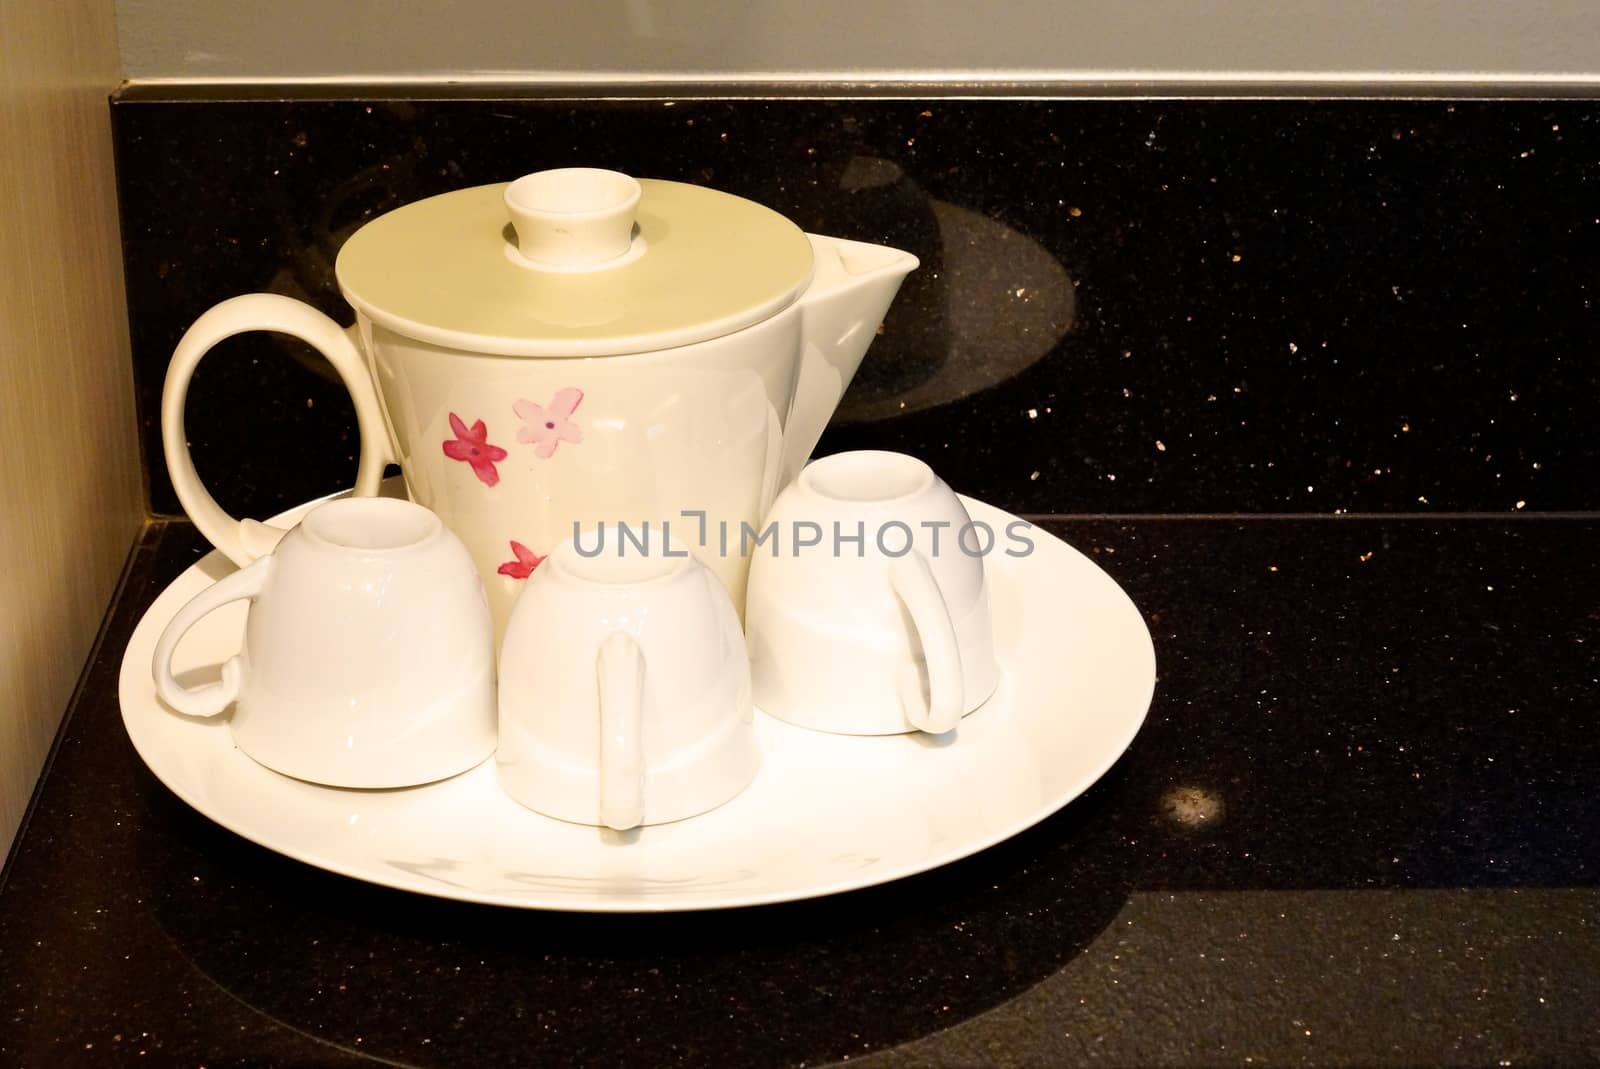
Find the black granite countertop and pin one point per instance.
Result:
(1360, 827)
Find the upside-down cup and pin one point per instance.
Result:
(867, 611)
(624, 686)
(368, 656)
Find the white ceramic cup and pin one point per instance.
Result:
(368, 656)
(624, 686)
(867, 611)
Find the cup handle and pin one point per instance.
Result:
(916, 588)
(211, 699)
(243, 541)
(620, 670)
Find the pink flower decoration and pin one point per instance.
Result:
(527, 560)
(547, 426)
(472, 445)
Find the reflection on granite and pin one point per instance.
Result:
(1125, 307)
(1016, 305)
(1364, 794)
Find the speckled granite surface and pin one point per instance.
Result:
(1359, 828)
(1125, 307)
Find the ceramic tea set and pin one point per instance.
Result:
(602, 393)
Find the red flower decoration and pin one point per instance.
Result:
(527, 560)
(472, 445)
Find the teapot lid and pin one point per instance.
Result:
(574, 262)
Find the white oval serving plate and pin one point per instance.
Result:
(828, 813)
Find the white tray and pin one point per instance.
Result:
(828, 813)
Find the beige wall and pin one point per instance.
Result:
(70, 487)
(1119, 41)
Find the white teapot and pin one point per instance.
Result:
(572, 349)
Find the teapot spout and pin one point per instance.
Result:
(852, 286)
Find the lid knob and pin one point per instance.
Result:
(573, 218)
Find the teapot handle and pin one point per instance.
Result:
(246, 540)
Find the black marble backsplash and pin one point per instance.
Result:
(1124, 306)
